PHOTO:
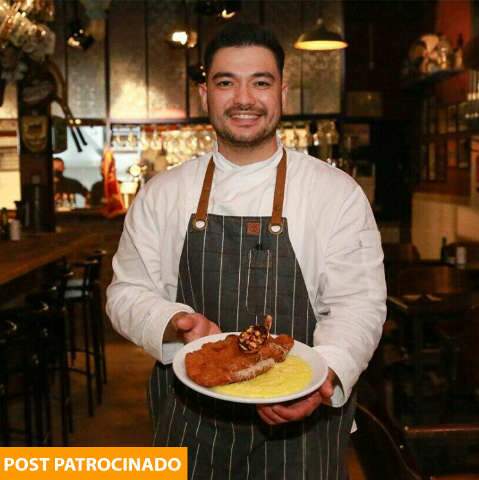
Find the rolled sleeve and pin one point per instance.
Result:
(353, 302)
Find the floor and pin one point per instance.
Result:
(122, 419)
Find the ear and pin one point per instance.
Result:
(284, 94)
(203, 91)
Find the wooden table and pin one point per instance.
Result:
(36, 251)
(418, 311)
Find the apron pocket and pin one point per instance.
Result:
(258, 280)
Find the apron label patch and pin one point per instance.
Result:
(253, 228)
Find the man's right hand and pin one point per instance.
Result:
(191, 326)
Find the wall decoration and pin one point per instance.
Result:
(463, 153)
(34, 132)
(451, 152)
(431, 161)
(432, 116)
(442, 120)
(452, 118)
(424, 162)
(441, 160)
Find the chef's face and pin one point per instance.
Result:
(243, 95)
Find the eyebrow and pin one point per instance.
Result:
(232, 75)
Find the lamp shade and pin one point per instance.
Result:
(320, 38)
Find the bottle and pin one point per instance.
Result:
(444, 250)
(4, 224)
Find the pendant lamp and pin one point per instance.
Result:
(320, 39)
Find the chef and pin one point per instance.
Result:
(248, 229)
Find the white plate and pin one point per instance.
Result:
(301, 350)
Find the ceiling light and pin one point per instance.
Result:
(179, 37)
(182, 38)
(78, 38)
(227, 14)
(320, 38)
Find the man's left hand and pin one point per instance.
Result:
(276, 414)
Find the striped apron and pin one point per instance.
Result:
(233, 270)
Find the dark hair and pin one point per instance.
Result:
(243, 35)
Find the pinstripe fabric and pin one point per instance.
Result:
(237, 276)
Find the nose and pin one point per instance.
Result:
(244, 96)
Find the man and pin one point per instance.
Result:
(281, 233)
(66, 185)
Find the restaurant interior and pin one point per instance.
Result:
(98, 96)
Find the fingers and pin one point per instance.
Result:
(327, 388)
(193, 326)
(269, 416)
(282, 413)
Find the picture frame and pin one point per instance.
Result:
(423, 163)
(441, 160)
(452, 118)
(463, 153)
(431, 162)
(461, 117)
(442, 120)
(451, 152)
(432, 116)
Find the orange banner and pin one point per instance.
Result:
(92, 463)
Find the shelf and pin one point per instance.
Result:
(419, 82)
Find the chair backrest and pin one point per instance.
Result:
(468, 370)
(432, 279)
(381, 455)
(400, 253)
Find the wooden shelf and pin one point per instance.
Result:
(421, 82)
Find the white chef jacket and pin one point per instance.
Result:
(332, 231)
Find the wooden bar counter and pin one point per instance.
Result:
(36, 251)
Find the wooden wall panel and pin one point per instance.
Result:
(128, 94)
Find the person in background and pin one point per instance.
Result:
(66, 187)
(247, 229)
(97, 193)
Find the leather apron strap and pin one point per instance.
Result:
(200, 218)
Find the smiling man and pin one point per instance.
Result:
(248, 229)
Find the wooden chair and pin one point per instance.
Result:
(381, 452)
(449, 451)
(397, 256)
(386, 451)
(400, 253)
(431, 279)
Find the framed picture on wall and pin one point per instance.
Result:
(451, 152)
(424, 117)
(452, 118)
(432, 116)
(441, 160)
(461, 117)
(463, 153)
(423, 174)
(442, 120)
(431, 162)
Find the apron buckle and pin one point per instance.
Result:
(275, 228)
(199, 224)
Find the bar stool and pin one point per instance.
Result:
(24, 374)
(84, 293)
(54, 322)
